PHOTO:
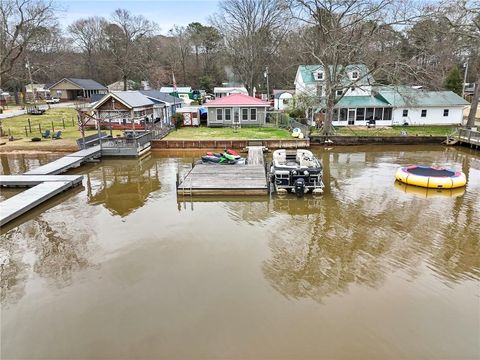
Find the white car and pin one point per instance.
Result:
(52, 101)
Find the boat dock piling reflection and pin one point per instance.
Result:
(215, 179)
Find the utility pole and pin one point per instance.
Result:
(27, 65)
(464, 79)
(265, 74)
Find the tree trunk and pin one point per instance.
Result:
(474, 105)
(327, 125)
(125, 82)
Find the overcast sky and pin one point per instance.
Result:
(165, 13)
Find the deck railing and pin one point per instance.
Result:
(469, 136)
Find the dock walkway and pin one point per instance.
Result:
(216, 179)
(44, 183)
(67, 162)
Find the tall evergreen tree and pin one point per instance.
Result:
(454, 81)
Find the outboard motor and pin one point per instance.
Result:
(299, 187)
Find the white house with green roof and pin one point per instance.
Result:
(355, 80)
(388, 105)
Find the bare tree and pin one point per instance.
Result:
(125, 44)
(337, 33)
(21, 23)
(88, 36)
(463, 17)
(253, 31)
(180, 50)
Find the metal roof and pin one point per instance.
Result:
(361, 101)
(133, 98)
(409, 97)
(161, 96)
(180, 89)
(307, 71)
(85, 84)
(237, 100)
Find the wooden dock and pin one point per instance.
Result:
(470, 137)
(216, 179)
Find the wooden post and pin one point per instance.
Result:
(29, 125)
(53, 127)
(73, 122)
(40, 128)
(26, 131)
(63, 122)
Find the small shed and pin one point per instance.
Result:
(283, 99)
(191, 115)
(236, 109)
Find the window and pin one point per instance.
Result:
(319, 90)
(361, 114)
(339, 92)
(244, 114)
(228, 114)
(335, 115)
(369, 114)
(253, 114)
(378, 114)
(445, 112)
(352, 88)
(354, 75)
(343, 115)
(219, 115)
(405, 113)
(424, 113)
(319, 75)
(387, 114)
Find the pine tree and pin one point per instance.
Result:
(454, 81)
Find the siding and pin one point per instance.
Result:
(212, 117)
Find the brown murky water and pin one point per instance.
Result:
(121, 268)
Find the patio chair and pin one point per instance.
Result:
(57, 135)
(46, 134)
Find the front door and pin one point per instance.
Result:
(236, 116)
(351, 116)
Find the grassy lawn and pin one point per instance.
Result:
(205, 133)
(70, 132)
(439, 130)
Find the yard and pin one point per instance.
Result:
(54, 119)
(439, 130)
(226, 133)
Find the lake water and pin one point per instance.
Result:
(121, 268)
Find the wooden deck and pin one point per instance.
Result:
(470, 137)
(215, 179)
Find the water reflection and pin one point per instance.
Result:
(428, 193)
(122, 186)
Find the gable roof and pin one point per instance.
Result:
(85, 84)
(232, 89)
(237, 100)
(161, 96)
(180, 89)
(410, 97)
(131, 99)
(307, 71)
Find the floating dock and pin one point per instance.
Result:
(216, 179)
(67, 162)
(44, 183)
(39, 193)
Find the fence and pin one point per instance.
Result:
(284, 121)
(469, 136)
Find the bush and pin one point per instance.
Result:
(296, 113)
(177, 120)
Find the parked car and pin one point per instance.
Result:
(52, 100)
